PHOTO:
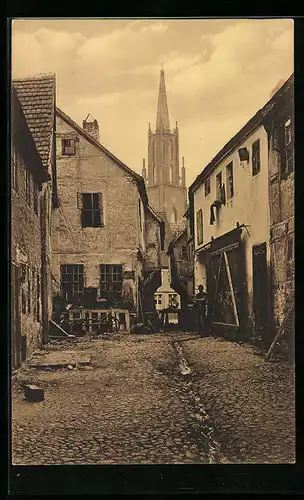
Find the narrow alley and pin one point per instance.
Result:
(164, 398)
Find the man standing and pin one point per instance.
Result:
(201, 308)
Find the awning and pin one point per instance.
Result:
(216, 243)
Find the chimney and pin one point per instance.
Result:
(91, 127)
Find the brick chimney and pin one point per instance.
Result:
(90, 125)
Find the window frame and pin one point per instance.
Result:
(219, 185)
(95, 209)
(76, 285)
(287, 160)
(68, 150)
(184, 252)
(230, 185)
(207, 186)
(256, 157)
(199, 226)
(112, 285)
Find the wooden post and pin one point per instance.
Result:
(280, 332)
(231, 290)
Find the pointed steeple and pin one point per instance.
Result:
(162, 119)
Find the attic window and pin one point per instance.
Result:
(68, 147)
(207, 186)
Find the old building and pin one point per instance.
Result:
(33, 198)
(166, 182)
(27, 177)
(180, 251)
(239, 204)
(280, 128)
(105, 235)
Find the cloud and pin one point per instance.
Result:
(218, 74)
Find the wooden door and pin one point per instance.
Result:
(260, 291)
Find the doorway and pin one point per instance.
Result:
(16, 339)
(260, 291)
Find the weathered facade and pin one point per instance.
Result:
(166, 182)
(27, 177)
(180, 251)
(232, 205)
(33, 198)
(37, 96)
(104, 231)
(280, 128)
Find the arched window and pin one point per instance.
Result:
(154, 150)
(171, 174)
(174, 216)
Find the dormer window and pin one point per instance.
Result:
(68, 147)
(207, 186)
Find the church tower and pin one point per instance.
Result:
(166, 184)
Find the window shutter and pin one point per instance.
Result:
(79, 200)
(100, 200)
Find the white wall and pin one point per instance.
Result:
(249, 204)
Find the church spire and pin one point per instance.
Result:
(162, 119)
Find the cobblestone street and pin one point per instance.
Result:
(171, 398)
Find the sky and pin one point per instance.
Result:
(218, 73)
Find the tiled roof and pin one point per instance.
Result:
(37, 97)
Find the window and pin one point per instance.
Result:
(219, 186)
(174, 216)
(111, 278)
(34, 292)
(35, 197)
(287, 160)
(91, 209)
(28, 186)
(290, 248)
(184, 252)
(68, 147)
(171, 174)
(229, 180)
(199, 226)
(207, 186)
(14, 169)
(256, 161)
(72, 281)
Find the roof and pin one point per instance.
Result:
(251, 125)
(176, 238)
(37, 97)
(138, 178)
(155, 215)
(23, 140)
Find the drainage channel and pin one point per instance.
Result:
(199, 413)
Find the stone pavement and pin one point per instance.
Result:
(172, 398)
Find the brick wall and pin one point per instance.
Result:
(26, 254)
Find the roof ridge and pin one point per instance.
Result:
(106, 151)
(255, 120)
(36, 76)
